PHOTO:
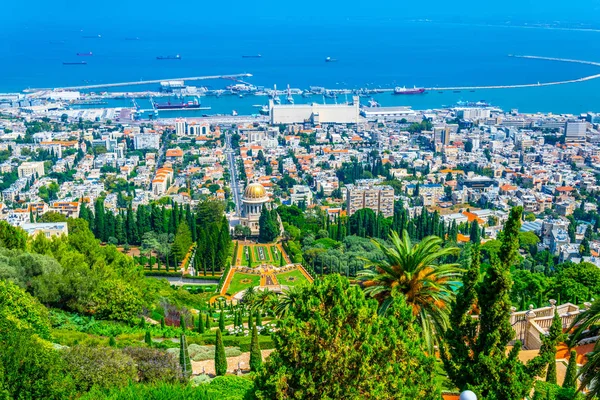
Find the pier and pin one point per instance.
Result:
(528, 85)
(148, 82)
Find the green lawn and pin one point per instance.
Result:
(256, 255)
(275, 253)
(297, 278)
(237, 285)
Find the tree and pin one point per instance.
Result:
(548, 350)
(184, 357)
(222, 320)
(268, 228)
(570, 381)
(220, 358)
(589, 372)
(148, 338)
(286, 301)
(255, 353)
(414, 271)
(201, 328)
(475, 233)
(335, 345)
(182, 322)
(475, 350)
(207, 325)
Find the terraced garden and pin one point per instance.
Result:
(241, 281)
(291, 278)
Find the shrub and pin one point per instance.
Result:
(160, 391)
(99, 366)
(200, 379)
(155, 365)
(231, 387)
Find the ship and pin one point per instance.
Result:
(404, 90)
(329, 59)
(89, 53)
(132, 38)
(264, 110)
(194, 104)
(75, 63)
(93, 37)
(252, 56)
(175, 57)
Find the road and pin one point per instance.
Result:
(233, 172)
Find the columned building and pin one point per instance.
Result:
(255, 196)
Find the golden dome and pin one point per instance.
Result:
(255, 191)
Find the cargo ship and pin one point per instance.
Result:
(252, 56)
(175, 57)
(403, 90)
(192, 105)
(89, 53)
(329, 59)
(75, 63)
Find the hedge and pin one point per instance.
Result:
(178, 275)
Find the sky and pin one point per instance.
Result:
(19, 13)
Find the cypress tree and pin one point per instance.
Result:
(148, 338)
(548, 349)
(182, 322)
(207, 325)
(475, 234)
(474, 352)
(250, 322)
(201, 327)
(570, 381)
(184, 357)
(258, 319)
(222, 320)
(220, 358)
(162, 322)
(255, 353)
(112, 342)
(142, 323)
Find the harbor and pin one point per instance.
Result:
(172, 98)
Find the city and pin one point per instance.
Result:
(225, 201)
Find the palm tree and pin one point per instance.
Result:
(413, 271)
(263, 299)
(250, 296)
(286, 302)
(590, 372)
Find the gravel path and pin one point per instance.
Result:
(208, 366)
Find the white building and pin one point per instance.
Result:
(47, 229)
(315, 113)
(575, 131)
(255, 196)
(301, 193)
(29, 169)
(180, 127)
(146, 141)
(473, 113)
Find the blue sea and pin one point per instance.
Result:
(370, 54)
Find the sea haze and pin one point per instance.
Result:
(381, 53)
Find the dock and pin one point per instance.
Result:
(146, 82)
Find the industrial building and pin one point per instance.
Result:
(314, 113)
